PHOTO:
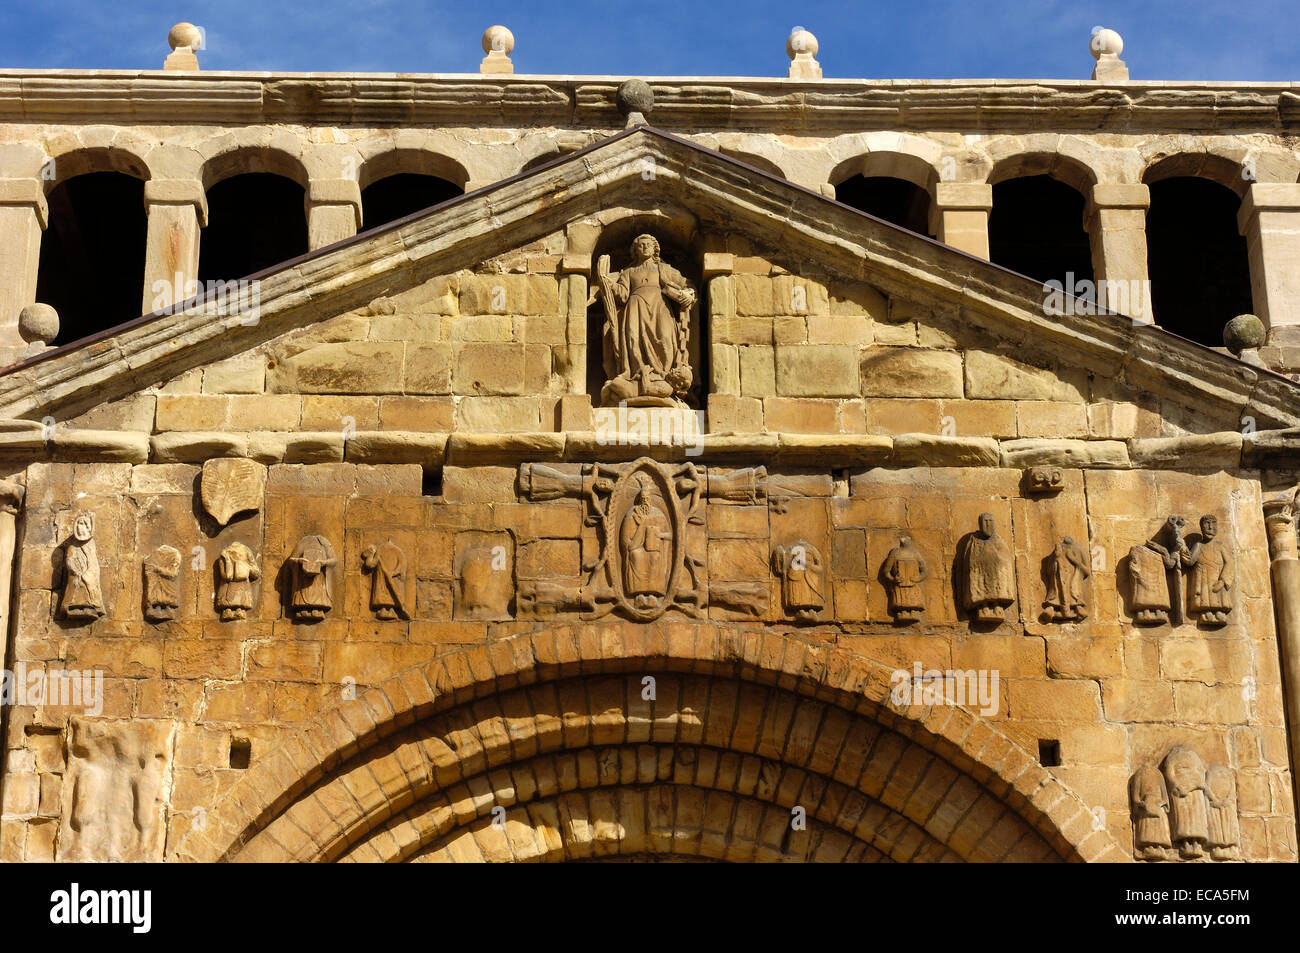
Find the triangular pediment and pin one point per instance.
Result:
(939, 319)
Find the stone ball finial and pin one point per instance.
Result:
(184, 34)
(1244, 332)
(497, 39)
(635, 98)
(38, 324)
(1105, 41)
(800, 41)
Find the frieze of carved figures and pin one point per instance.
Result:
(904, 572)
(646, 333)
(1067, 575)
(83, 595)
(1184, 809)
(386, 565)
(1157, 567)
(237, 570)
(803, 578)
(162, 570)
(987, 574)
(310, 562)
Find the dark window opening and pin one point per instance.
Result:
(897, 201)
(91, 267)
(241, 753)
(1049, 753)
(431, 483)
(1196, 259)
(1036, 229)
(405, 193)
(255, 220)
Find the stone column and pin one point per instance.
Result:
(574, 270)
(11, 501)
(1279, 520)
(1115, 219)
(1270, 220)
(333, 211)
(959, 215)
(177, 209)
(23, 216)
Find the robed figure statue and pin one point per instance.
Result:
(647, 329)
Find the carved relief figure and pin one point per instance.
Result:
(485, 582)
(645, 539)
(82, 596)
(646, 340)
(1150, 803)
(1189, 808)
(1152, 568)
(1210, 575)
(904, 571)
(1068, 570)
(987, 574)
(236, 570)
(162, 569)
(387, 567)
(311, 560)
(803, 578)
(1224, 828)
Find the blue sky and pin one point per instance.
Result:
(1164, 39)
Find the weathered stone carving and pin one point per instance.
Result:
(803, 578)
(387, 567)
(904, 571)
(1156, 580)
(1044, 480)
(1150, 805)
(83, 596)
(162, 571)
(230, 486)
(988, 581)
(540, 483)
(486, 582)
(645, 342)
(1186, 807)
(1210, 572)
(749, 597)
(1067, 575)
(310, 562)
(543, 597)
(236, 570)
(115, 773)
(740, 486)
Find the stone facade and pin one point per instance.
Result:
(374, 575)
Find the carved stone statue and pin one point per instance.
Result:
(988, 581)
(486, 582)
(803, 578)
(1067, 599)
(387, 567)
(1153, 566)
(162, 569)
(236, 570)
(311, 560)
(1210, 576)
(645, 541)
(83, 597)
(1224, 828)
(1150, 804)
(904, 571)
(1189, 821)
(645, 338)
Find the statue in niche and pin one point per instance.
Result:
(987, 573)
(1189, 808)
(647, 359)
(236, 570)
(803, 579)
(1209, 566)
(645, 540)
(162, 570)
(1224, 828)
(83, 597)
(1067, 572)
(904, 571)
(1150, 803)
(311, 560)
(387, 567)
(1157, 581)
